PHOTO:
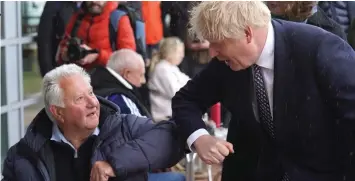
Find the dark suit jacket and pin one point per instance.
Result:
(314, 109)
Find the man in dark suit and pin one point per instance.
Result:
(290, 88)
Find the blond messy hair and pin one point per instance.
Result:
(218, 20)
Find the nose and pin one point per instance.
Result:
(92, 101)
(143, 80)
(212, 52)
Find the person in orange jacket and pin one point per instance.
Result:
(94, 34)
(151, 13)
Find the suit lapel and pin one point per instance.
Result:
(283, 77)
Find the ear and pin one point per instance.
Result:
(248, 34)
(57, 113)
(125, 73)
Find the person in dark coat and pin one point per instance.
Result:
(305, 11)
(342, 12)
(119, 80)
(351, 35)
(289, 86)
(79, 136)
(54, 18)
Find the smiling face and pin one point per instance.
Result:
(81, 109)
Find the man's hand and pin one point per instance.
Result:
(63, 54)
(101, 171)
(212, 150)
(88, 58)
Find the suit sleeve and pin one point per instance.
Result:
(154, 146)
(200, 93)
(336, 78)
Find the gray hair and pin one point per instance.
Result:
(52, 92)
(124, 58)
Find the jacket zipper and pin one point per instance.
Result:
(43, 170)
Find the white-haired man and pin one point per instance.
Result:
(81, 137)
(116, 82)
(119, 80)
(290, 88)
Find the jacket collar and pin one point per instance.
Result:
(120, 78)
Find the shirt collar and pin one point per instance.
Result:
(119, 78)
(266, 59)
(58, 136)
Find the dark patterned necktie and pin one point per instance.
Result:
(264, 106)
(263, 102)
(285, 177)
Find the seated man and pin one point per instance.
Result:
(79, 136)
(117, 82)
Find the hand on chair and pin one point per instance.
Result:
(212, 150)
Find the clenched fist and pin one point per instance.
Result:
(212, 150)
(101, 171)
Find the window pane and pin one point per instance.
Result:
(31, 76)
(3, 78)
(31, 13)
(1, 20)
(30, 112)
(4, 139)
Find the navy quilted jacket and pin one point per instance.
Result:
(340, 11)
(132, 145)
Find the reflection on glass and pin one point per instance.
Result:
(3, 140)
(31, 75)
(30, 112)
(3, 78)
(31, 13)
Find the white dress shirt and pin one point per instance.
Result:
(266, 62)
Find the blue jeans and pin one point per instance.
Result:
(166, 176)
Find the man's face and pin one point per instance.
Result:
(237, 53)
(135, 75)
(82, 109)
(278, 8)
(95, 7)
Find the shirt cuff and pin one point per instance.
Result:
(193, 137)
